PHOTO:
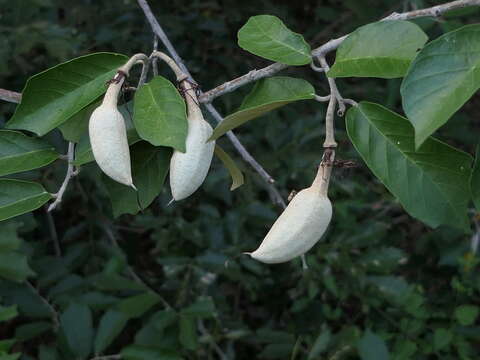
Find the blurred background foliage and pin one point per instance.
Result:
(171, 282)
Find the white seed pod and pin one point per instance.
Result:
(298, 228)
(189, 169)
(108, 138)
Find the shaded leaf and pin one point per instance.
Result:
(466, 314)
(18, 197)
(8, 312)
(136, 306)
(14, 267)
(77, 126)
(137, 352)
(19, 152)
(475, 179)
(235, 173)
(443, 76)
(149, 168)
(442, 338)
(188, 332)
(31, 330)
(76, 325)
(392, 45)
(267, 94)
(432, 183)
(160, 115)
(111, 325)
(202, 308)
(320, 344)
(53, 96)
(268, 37)
(372, 346)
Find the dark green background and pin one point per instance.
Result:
(376, 268)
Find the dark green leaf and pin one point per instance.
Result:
(371, 346)
(441, 79)
(149, 168)
(320, 344)
(53, 96)
(14, 267)
(6, 345)
(18, 197)
(31, 330)
(466, 314)
(235, 173)
(76, 325)
(10, 356)
(8, 312)
(19, 152)
(77, 126)
(202, 308)
(268, 94)
(136, 306)
(275, 351)
(432, 183)
(47, 353)
(268, 37)
(475, 180)
(10, 240)
(111, 325)
(442, 338)
(392, 45)
(136, 352)
(188, 332)
(160, 115)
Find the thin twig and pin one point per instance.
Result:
(53, 312)
(70, 173)
(143, 75)
(322, 50)
(155, 60)
(10, 96)
(157, 30)
(53, 233)
(211, 340)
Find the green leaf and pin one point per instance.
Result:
(6, 345)
(188, 332)
(441, 338)
(19, 152)
(235, 173)
(83, 151)
(111, 325)
(14, 267)
(371, 346)
(268, 37)
(136, 352)
(466, 314)
(8, 313)
(10, 240)
(443, 76)
(76, 325)
(18, 197)
(47, 353)
(392, 45)
(432, 183)
(268, 94)
(53, 96)
(202, 308)
(31, 330)
(160, 115)
(77, 126)
(136, 306)
(320, 344)
(475, 179)
(10, 356)
(149, 168)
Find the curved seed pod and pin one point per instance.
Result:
(188, 170)
(108, 138)
(300, 226)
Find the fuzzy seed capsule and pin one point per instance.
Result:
(188, 170)
(298, 228)
(108, 138)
